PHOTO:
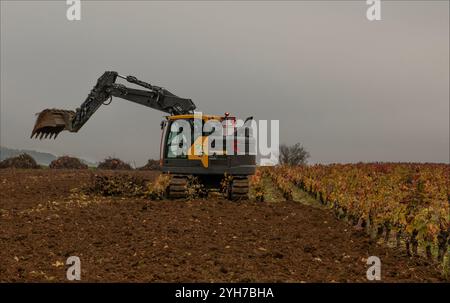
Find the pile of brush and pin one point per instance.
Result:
(67, 162)
(117, 185)
(114, 164)
(151, 165)
(21, 161)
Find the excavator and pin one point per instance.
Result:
(184, 159)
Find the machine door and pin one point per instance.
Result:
(177, 139)
(164, 124)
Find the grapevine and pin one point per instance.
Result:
(406, 198)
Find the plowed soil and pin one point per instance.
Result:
(44, 219)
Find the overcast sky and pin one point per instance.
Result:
(348, 89)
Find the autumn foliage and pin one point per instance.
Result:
(409, 199)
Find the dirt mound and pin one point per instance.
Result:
(21, 161)
(67, 162)
(118, 185)
(115, 164)
(151, 165)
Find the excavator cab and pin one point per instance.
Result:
(209, 156)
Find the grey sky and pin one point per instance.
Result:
(348, 89)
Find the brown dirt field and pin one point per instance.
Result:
(22, 188)
(44, 220)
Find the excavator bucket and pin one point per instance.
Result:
(50, 122)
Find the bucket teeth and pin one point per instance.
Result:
(50, 122)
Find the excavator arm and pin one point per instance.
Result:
(50, 122)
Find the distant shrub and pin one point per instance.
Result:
(151, 165)
(21, 161)
(114, 164)
(67, 162)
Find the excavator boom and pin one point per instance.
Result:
(50, 122)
